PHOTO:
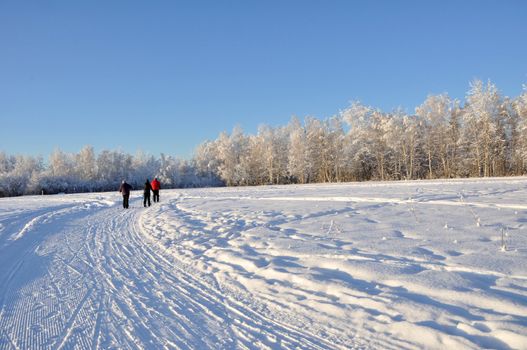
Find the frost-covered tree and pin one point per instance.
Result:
(281, 158)
(144, 166)
(207, 164)
(481, 118)
(230, 154)
(61, 164)
(315, 142)
(112, 168)
(266, 142)
(26, 167)
(334, 152)
(519, 136)
(297, 165)
(402, 134)
(271, 146)
(359, 145)
(255, 161)
(7, 163)
(436, 116)
(168, 172)
(187, 174)
(380, 124)
(86, 164)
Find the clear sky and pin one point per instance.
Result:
(163, 76)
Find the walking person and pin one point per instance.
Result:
(125, 191)
(156, 186)
(146, 194)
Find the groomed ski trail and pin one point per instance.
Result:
(88, 277)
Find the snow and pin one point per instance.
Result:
(393, 265)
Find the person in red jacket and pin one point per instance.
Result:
(156, 186)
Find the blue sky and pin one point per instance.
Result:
(163, 76)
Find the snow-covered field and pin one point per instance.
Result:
(402, 265)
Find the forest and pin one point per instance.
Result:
(444, 138)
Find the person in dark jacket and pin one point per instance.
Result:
(125, 191)
(146, 194)
(156, 186)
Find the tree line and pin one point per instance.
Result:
(487, 136)
(88, 172)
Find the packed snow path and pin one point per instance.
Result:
(384, 266)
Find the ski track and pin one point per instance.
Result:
(176, 276)
(105, 287)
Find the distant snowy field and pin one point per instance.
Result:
(399, 265)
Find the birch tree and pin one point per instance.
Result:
(435, 114)
(298, 163)
(481, 120)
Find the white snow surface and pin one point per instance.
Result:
(394, 265)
